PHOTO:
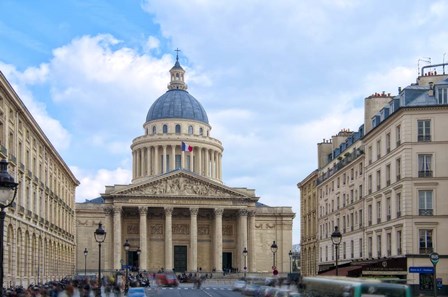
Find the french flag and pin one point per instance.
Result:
(186, 147)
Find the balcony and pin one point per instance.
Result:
(388, 217)
(398, 142)
(3, 150)
(398, 177)
(22, 167)
(388, 150)
(424, 138)
(425, 212)
(425, 173)
(28, 214)
(426, 250)
(388, 182)
(398, 214)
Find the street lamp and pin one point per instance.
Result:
(100, 236)
(336, 237)
(85, 262)
(139, 251)
(8, 191)
(274, 249)
(126, 246)
(245, 261)
(290, 261)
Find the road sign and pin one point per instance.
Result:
(434, 257)
(421, 269)
(275, 272)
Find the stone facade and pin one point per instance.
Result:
(39, 235)
(177, 212)
(384, 186)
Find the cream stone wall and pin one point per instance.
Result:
(39, 234)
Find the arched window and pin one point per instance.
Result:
(154, 129)
(190, 130)
(201, 131)
(165, 129)
(177, 129)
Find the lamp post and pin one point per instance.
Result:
(245, 261)
(100, 236)
(336, 238)
(8, 191)
(85, 262)
(290, 261)
(274, 249)
(126, 246)
(139, 251)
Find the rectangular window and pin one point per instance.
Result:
(399, 242)
(389, 244)
(378, 212)
(442, 96)
(344, 250)
(425, 241)
(378, 245)
(369, 214)
(360, 218)
(369, 184)
(398, 135)
(351, 222)
(178, 161)
(369, 152)
(398, 201)
(378, 180)
(360, 247)
(388, 208)
(360, 169)
(352, 249)
(424, 165)
(369, 246)
(378, 149)
(360, 191)
(424, 130)
(398, 168)
(387, 142)
(187, 164)
(388, 175)
(425, 205)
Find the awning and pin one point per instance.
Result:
(353, 271)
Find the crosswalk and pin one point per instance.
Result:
(190, 288)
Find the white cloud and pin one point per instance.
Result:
(92, 184)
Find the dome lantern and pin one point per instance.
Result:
(177, 76)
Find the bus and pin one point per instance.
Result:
(351, 287)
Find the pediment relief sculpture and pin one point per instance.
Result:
(181, 186)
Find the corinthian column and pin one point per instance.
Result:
(164, 163)
(242, 236)
(117, 237)
(168, 238)
(218, 239)
(251, 239)
(143, 258)
(193, 265)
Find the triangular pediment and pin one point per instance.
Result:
(179, 183)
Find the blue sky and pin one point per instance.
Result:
(275, 77)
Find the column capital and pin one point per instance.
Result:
(219, 211)
(243, 212)
(252, 213)
(117, 210)
(168, 210)
(143, 210)
(108, 211)
(194, 211)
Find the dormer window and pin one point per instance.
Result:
(442, 95)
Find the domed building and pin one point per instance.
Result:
(177, 214)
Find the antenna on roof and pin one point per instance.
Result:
(426, 60)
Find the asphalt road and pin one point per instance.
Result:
(191, 292)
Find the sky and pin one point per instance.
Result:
(275, 77)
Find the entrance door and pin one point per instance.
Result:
(133, 260)
(180, 258)
(226, 261)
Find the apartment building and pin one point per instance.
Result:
(39, 234)
(384, 186)
(308, 224)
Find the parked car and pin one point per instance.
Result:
(250, 289)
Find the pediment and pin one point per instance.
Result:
(180, 184)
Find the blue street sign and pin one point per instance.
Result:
(417, 269)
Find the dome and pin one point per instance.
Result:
(177, 104)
